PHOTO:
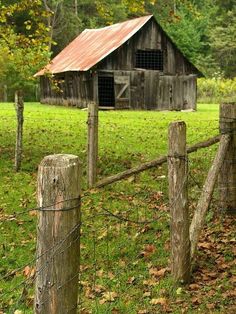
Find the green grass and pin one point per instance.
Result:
(114, 252)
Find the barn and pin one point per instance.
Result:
(129, 65)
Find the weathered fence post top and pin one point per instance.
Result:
(227, 116)
(59, 160)
(58, 234)
(177, 129)
(52, 167)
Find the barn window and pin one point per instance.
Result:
(106, 93)
(149, 59)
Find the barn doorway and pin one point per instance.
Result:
(106, 93)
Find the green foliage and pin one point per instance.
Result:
(223, 42)
(216, 90)
(24, 46)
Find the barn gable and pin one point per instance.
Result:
(125, 56)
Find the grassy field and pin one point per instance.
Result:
(124, 256)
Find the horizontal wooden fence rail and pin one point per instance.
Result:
(153, 163)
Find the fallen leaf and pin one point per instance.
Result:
(158, 273)
(89, 293)
(150, 282)
(148, 250)
(233, 279)
(29, 272)
(108, 296)
(110, 275)
(194, 286)
(204, 245)
(26, 271)
(195, 300)
(103, 235)
(210, 306)
(179, 291)
(33, 213)
(161, 301)
(131, 280)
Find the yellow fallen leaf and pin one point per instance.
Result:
(161, 301)
(108, 296)
(150, 282)
(179, 291)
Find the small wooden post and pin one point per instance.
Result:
(227, 176)
(58, 248)
(5, 93)
(19, 105)
(92, 144)
(178, 198)
(37, 92)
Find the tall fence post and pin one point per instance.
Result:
(19, 105)
(92, 156)
(178, 198)
(58, 248)
(227, 176)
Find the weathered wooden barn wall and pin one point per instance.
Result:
(150, 90)
(71, 89)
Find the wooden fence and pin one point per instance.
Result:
(59, 196)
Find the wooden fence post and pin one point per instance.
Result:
(19, 105)
(92, 156)
(5, 93)
(178, 198)
(227, 176)
(58, 248)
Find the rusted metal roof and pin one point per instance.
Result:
(93, 45)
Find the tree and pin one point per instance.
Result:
(24, 45)
(222, 38)
(23, 49)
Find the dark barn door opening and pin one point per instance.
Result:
(106, 94)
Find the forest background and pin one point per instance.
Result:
(32, 33)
